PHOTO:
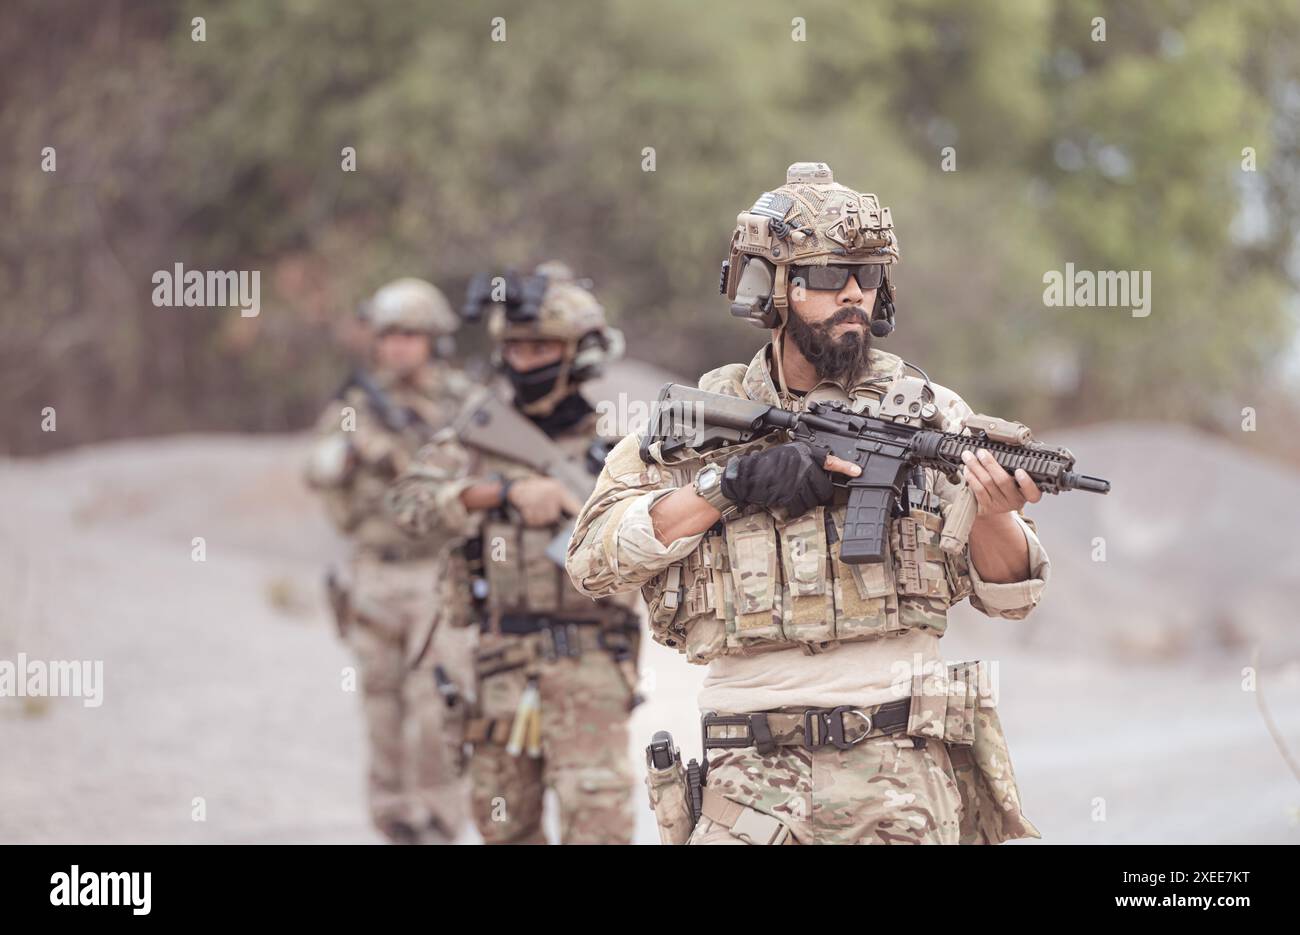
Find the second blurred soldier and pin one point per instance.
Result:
(409, 672)
(555, 671)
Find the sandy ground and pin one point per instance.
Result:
(1122, 696)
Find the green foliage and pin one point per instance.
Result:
(225, 154)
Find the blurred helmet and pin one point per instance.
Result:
(811, 220)
(410, 305)
(549, 304)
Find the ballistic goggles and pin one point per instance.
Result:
(835, 277)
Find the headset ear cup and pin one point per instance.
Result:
(594, 351)
(752, 293)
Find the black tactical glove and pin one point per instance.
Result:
(789, 477)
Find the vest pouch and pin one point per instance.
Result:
(706, 635)
(990, 798)
(698, 580)
(921, 569)
(502, 565)
(541, 583)
(959, 722)
(455, 605)
(920, 566)
(928, 714)
(751, 554)
(706, 639)
(807, 609)
(863, 594)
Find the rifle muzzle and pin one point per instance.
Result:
(1073, 481)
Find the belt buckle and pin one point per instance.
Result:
(713, 719)
(830, 722)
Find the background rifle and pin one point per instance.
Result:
(399, 419)
(492, 425)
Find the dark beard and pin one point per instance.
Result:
(840, 360)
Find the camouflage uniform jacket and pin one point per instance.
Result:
(521, 578)
(758, 582)
(357, 455)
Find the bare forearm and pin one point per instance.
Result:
(482, 496)
(682, 513)
(999, 550)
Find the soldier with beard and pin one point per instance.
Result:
(829, 712)
(365, 438)
(555, 672)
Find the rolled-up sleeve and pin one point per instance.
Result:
(1014, 599)
(635, 542)
(613, 549)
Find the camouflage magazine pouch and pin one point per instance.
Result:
(541, 577)
(501, 561)
(920, 565)
(862, 593)
(943, 702)
(807, 609)
(751, 545)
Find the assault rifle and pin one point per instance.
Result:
(886, 447)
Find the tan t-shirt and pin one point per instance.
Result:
(857, 674)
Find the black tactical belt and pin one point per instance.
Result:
(523, 624)
(841, 727)
(395, 553)
(569, 637)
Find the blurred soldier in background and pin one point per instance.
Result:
(830, 712)
(556, 672)
(410, 668)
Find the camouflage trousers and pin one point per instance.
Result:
(415, 774)
(584, 748)
(885, 790)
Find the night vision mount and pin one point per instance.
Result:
(521, 295)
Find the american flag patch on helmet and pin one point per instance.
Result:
(772, 205)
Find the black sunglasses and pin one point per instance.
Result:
(834, 277)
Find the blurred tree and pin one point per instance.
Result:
(1121, 154)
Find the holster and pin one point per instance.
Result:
(670, 795)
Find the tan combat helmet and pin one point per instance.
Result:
(410, 305)
(549, 304)
(811, 220)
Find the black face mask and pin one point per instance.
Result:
(532, 385)
(841, 359)
(568, 412)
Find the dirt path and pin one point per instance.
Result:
(222, 677)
